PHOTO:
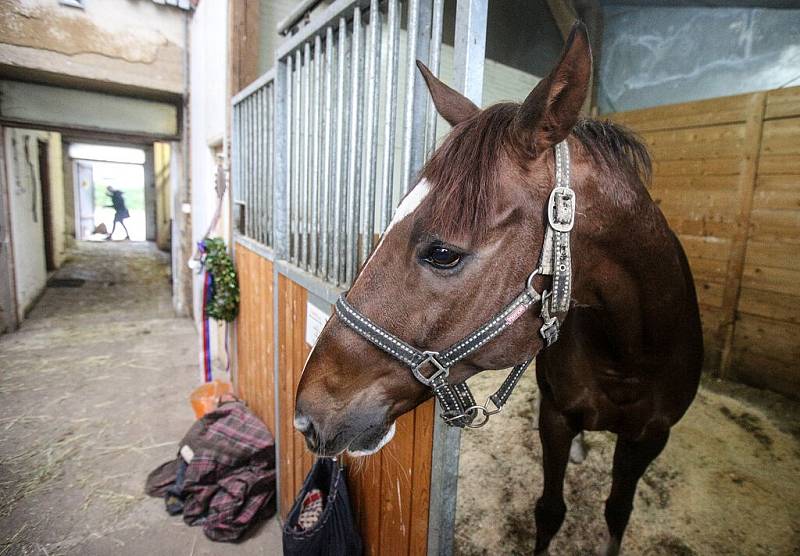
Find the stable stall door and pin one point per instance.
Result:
(84, 186)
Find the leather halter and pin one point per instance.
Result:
(458, 404)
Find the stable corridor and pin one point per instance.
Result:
(93, 395)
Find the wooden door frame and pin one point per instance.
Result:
(47, 203)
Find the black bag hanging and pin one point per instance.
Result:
(334, 533)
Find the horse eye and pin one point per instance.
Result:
(442, 257)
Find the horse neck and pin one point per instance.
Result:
(628, 265)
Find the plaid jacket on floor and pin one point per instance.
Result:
(231, 476)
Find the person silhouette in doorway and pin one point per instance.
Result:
(120, 211)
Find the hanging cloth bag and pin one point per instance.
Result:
(308, 531)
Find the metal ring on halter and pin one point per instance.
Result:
(529, 281)
(476, 410)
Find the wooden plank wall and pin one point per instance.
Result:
(255, 379)
(390, 490)
(765, 350)
(727, 177)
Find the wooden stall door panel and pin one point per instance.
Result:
(254, 377)
(390, 491)
(396, 488)
(421, 477)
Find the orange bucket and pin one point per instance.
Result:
(205, 397)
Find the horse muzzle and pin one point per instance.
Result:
(361, 436)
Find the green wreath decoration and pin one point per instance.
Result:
(223, 302)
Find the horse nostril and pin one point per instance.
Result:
(301, 422)
(311, 436)
(306, 426)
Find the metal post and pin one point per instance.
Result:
(470, 43)
(280, 171)
(280, 150)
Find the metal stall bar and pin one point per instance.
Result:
(417, 99)
(304, 164)
(270, 158)
(252, 159)
(252, 107)
(265, 220)
(316, 175)
(326, 177)
(339, 191)
(260, 170)
(236, 166)
(436, 49)
(387, 189)
(470, 45)
(354, 163)
(251, 144)
(288, 101)
(245, 166)
(296, 157)
(283, 153)
(371, 127)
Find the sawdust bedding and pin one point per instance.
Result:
(727, 482)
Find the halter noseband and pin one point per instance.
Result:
(459, 408)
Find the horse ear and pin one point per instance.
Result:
(451, 105)
(551, 110)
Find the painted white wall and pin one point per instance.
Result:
(25, 209)
(208, 75)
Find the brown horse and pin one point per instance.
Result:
(462, 244)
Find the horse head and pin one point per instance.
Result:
(460, 246)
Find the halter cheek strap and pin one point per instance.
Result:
(432, 368)
(556, 258)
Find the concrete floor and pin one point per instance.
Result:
(93, 395)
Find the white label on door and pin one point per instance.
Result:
(315, 321)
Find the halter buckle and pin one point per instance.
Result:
(561, 209)
(549, 331)
(430, 357)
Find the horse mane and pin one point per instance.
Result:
(615, 146)
(462, 173)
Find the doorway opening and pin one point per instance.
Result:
(111, 201)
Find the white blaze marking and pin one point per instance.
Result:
(409, 204)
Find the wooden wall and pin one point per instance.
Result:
(390, 490)
(727, 177)
(254, 377)
(766, 343)
(245, 42)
